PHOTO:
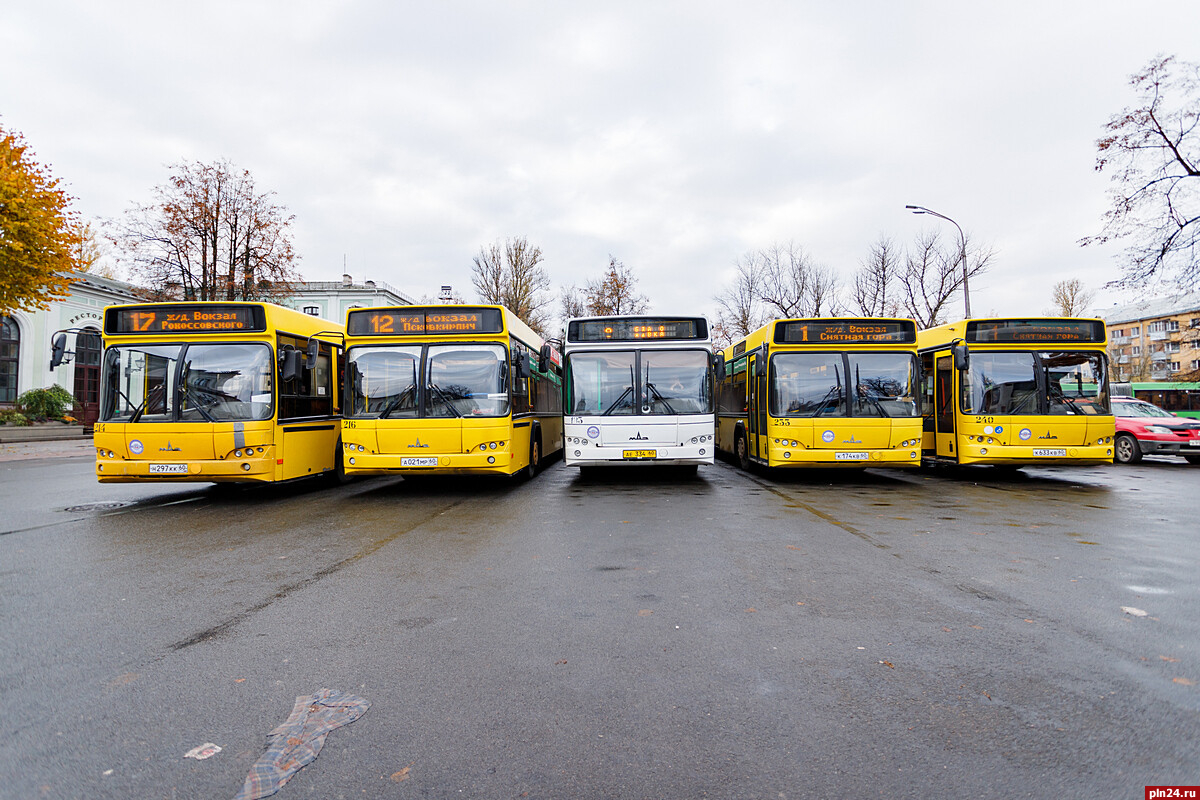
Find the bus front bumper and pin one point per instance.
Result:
(816, 457)
(1022, 456)
(119, 470)
(589, 455)
(490, 463)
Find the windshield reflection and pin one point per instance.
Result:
(1046, 383)
(459, 380)
(817, 385)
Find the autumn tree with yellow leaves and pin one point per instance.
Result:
(39, 232)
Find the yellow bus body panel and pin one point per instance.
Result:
(443, 446)
(207, 450)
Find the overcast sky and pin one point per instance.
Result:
(673, 136)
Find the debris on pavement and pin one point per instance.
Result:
(299, 739)
(206, 750)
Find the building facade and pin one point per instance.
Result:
(25, 343)
(1155, 339)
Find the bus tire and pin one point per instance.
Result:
(337, 475)
(739, 449)
(1126, 450)
(535, 456)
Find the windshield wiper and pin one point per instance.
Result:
(396, 402)
(192, 394)
(445, 399)
(661, 399)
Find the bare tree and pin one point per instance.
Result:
(210, 234)
(1154, 152)
(875, 292)
(932, 276)
(572, 303)
(739, 310)
(513, 276)
(615, 292)
(1072, 298)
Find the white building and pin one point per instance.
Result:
(25, 343)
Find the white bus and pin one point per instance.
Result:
(638, 390)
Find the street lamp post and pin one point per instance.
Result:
(962, 239)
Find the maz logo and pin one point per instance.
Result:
(418, 444)
(168, 448)
(1048, 436)
(852, 440)
(638, 438)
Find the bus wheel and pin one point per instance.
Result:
(743, 457)
(535, 457)
(1127, 450)
(337, 475)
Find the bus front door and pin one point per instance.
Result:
(756, 411)
(943, 393)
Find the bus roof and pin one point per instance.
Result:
(1009, 331)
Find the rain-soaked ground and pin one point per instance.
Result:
(629, 634)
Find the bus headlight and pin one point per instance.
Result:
(352, 461)
(787, 455)
(361, 448)
(695, 440)
(983, 451)
(245, 467)
(491, 459)
(237, 453)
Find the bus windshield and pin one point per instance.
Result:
(383, 381)
(190, 383)
(816, 384)
(649, 382)
(1035, 383)
(675, 382)
(466, 380)
(601, 383)
(460, 380)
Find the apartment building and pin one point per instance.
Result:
(1155, 339)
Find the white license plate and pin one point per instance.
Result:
(851, 456)
(168, 469)
(1050, 452)
(430, 461)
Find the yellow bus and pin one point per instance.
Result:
(1013, 392)
(448, 389)
(216, 391)
(823, 392)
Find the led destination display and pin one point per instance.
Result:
(208, 318)
(846, 331)
(632, 330)
(1025, 331)
(423, 322)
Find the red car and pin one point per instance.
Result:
(1145, 429)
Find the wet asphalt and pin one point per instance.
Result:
(631, 634)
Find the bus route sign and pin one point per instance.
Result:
(423, 322)
(207, 318)
(1032, 331)
(846, 331)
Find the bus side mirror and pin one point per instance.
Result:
(310, 357)
(522, 366)
(962, 357)
(58, 349)
(718, 367)
(289, 364)
(544, 359)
